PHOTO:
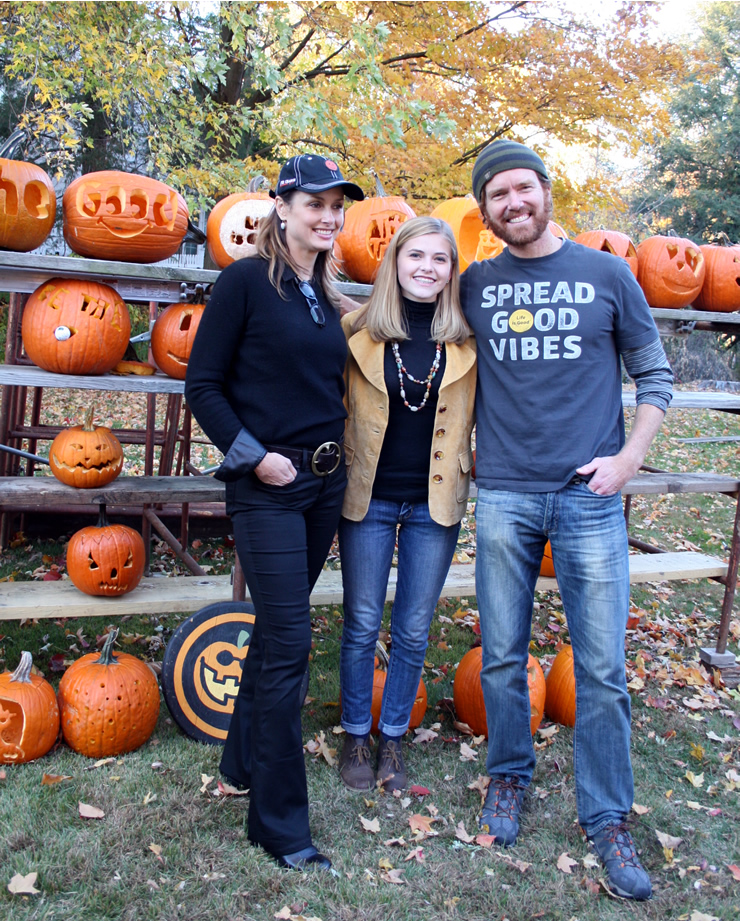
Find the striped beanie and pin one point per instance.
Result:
(500, 156)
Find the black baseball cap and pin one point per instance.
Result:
(314, 173)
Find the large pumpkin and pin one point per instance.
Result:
(105, 559)
(468, 693)
(28, 205)
(369, 226)
(29, 715)
(75, 326)
(611, 241)
(670, 271)
(109, 703)
(419, 707)
(173, 335)
(123, 217)
(87, 455)
(560, 701)
(231, 230)
(721, 288)
(474, 241)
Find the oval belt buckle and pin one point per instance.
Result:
(325, 448)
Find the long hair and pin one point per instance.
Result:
(383, 314)
(272, 246)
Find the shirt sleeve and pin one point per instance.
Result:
(648, 367)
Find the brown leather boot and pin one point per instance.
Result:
(391, 769)
(354, 764)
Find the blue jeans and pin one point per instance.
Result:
(425, 551)
(589, 547)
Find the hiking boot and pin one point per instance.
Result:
(391, 769)
(354, 764)
(500, 813)
(626, 875)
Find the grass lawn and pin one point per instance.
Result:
(171, 846)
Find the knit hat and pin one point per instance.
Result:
(500, 156)
(314, 173)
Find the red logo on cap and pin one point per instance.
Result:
(330, 164)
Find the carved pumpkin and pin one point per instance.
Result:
(558, 230)
(232, 225)
(105, 559)
(124, 217)
(474, 241)
(29, 715)
(611, 241)
(109, 703)
(75, 326)
(173, 335)
(467, 692)
(381, 673)
(28, 205)
(369, 226)
(86, 455)
(721, 288)
(560, 702)
(670, 271)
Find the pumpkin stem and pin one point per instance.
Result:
(102, 516)
(23, 672)
(382, 653)
(724, 239)
(379, 190)
(87, 424)
(106, 653)
(256, 183)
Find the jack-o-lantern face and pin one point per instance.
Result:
(613, 242)
(173, 335)
(489, 246)
(232, 226)
(115, 215)
(474, 241)
(29, 715)
(106, 560)
(75, 326)
(86, 456)
(721, 288)
(369, 227)
(670, 271)
(218, 672)
(12, 723)
(28, 205)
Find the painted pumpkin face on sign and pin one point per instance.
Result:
(28, 205)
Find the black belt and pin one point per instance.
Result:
(577, 478)
(321, 462)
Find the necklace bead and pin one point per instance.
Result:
(428, 380)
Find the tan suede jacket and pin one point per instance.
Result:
(367, 404)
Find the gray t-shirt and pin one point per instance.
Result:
(550, 331)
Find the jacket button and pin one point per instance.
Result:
(439, 433)
(438, 455)
(437, 478)
(441, 409)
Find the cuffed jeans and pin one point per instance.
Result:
(425, 551)
(590, 553)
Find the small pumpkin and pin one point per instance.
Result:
(28, 205)
(474, 241)
(468, 698)
(106, 559)
(232, 225)
(560, 700)
(109, 704)
(721, 288)
(87, 455)
(75, 326)
(381, 673)
(173, 335)
(29, 714)
(369, 226)
(123, 216)
(670, 270)
(611, 241)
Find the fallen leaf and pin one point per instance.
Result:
(418, 791)
(205, 780)
(156, 849)
(590, 861)
(462, 835)
(696, 780)
(23, 885)
(424, 735)
(395, 842)
(226, 789)
(385, 864)
(467, 753)
(480, 784)
(548, 732)
(421, 824)
(700, 916)
(49, 779)
(416, 854)
(149, 798)
(566, 863)
(735, 870)
(371, 825)
(668, 840)
(484, 840)
(89, 812)
(393, 876)
(640, 810)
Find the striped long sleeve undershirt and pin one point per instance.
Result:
(648, 367)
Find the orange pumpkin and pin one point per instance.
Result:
(547, 567)
(558, 230)
(369, 226)
(75, 326)
(560, 701)
(173, 335)
(721, 288)
(381, 673)
(87, 455)
(29, 715)
(611, 241)
(232, 225)
(670, 271)
(124, 217)
(474, 241)
(467, 692)
(28, 205)
(109, 703)
(105, 559)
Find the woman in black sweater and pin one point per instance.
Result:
(265, 382)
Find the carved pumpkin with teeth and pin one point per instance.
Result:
(87, 455)
(173, 335)
(124, 217)
(75, 326)
(232, 226)
(107, 559)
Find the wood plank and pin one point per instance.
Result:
(658, 483)
(31, 376)
(125, 490)
(686, 399)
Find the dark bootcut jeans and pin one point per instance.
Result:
(283, 535)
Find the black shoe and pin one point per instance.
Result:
(236, 784)
(301, 860)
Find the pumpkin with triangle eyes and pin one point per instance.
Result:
(106, 559)
(87, 455)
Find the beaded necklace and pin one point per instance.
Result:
(429, 378)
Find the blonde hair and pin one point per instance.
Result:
(272, 246)
(383, 314)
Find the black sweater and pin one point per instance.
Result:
(262, 364)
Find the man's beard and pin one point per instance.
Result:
(517, 235)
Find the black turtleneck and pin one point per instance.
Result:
(403, 466)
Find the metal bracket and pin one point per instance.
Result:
(686, 326)
(194, 293)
